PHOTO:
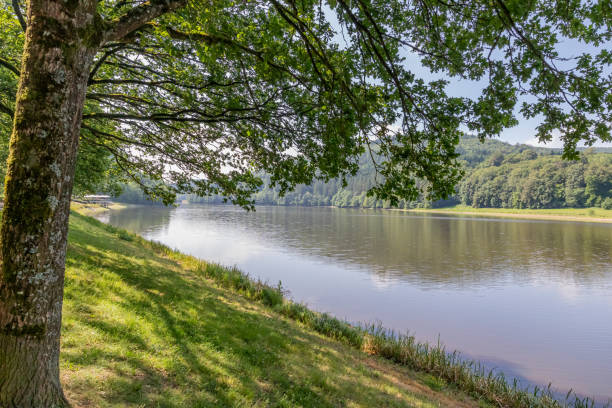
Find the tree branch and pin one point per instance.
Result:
(210, 39)
(511, 25)
(9, 66)
(7, 110)
(139, 16)
(19, 15)
(215, 39)
(209, 84)
(170, 117)
(103, 58)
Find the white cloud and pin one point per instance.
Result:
(556, 142)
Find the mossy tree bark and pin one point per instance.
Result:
(59, 51)
(61, 40)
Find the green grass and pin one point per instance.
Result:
(593, 212)
(145, 326)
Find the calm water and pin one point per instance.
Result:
(533, 298)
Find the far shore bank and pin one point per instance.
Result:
(561, 214)
(592, 214)
(94, 208)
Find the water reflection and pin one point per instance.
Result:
(535, 295)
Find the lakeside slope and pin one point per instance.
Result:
(143, 327)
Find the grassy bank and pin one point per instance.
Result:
(594, 214)
(147, 326)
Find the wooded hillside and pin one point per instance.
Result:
(497, 174)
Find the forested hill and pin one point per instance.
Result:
(498, 174)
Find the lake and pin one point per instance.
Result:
(532, 298)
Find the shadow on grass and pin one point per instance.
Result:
(139, 330)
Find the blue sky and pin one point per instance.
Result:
(525, 131)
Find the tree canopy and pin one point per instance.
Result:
(209, 94)
(200, 96)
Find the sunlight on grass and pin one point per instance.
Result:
(141, 330)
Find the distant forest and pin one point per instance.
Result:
(497, 175)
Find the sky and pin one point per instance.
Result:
(525, 131)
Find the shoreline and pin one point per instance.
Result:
(95, 209)
(444, 370)
(387, 342)
(249, 328)
(475, 212)
(493, 213)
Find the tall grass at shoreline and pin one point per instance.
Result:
(446, 367)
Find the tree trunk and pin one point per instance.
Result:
(59, 49)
